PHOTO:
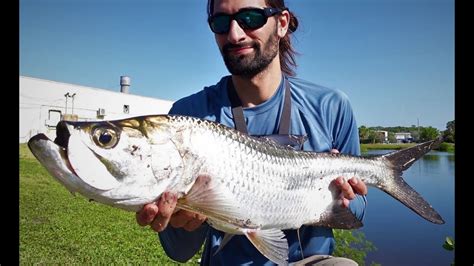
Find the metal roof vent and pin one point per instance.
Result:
(124, 84)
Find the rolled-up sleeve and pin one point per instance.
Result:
(358, 206)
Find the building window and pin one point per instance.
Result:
(54, 116)
(101, 113)
(126, 109)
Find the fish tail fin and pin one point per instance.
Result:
(401, 160)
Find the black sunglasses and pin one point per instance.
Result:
(248, 18)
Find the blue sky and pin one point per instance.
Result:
(393, 58)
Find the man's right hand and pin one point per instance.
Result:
(161, 213)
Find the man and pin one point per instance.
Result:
(254, 39)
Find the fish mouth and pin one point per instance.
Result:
(62, 135)
(54, 158)
(71, 161)
(61, 149)
(62, 140)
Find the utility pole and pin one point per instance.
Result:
(72, 96)
(418, 126)
(66, 95)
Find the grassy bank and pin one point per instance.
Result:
(382, 146)
(448, 147)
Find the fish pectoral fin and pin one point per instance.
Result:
(271, 243)
(208, 197)
(339, 217)
(224, 241)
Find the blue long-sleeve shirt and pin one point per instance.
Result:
(324, 115)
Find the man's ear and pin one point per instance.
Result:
(283, 22)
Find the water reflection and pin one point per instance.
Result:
(431, 157)
(450, 158)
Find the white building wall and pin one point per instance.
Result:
(43, 102)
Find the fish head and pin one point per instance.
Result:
(124, 163)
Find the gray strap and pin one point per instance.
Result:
(285, 119)
(238, 112)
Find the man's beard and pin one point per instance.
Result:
(249, 65)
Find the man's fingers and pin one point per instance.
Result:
(345, 202)
(181, 218)
(166, 206)
(345, 187)
(147, 214)
(194, 223)
(159, 215)
(358, 186)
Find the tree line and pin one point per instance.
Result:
(418, 134)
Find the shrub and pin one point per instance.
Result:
(446, 147)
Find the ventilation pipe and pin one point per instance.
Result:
(124, 84)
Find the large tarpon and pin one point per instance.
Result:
(244, 185)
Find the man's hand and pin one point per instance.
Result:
(349, 188)
(161, 213)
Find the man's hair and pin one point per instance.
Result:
(287, 53)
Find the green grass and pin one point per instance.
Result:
(58, 228)
(25, 153)
(382, 146)
(449, 147)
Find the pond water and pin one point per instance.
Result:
(400, 235)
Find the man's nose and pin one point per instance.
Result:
(236, 33)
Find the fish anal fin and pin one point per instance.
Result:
(339, 217)
(271, 243)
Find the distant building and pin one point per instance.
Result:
(403, 137)
(382, 135)
(43, 103)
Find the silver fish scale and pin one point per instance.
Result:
(271, 186)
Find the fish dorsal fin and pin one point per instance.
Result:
(206, 198)
(292, 142)
(224, 241)
(339, 217)
(271, 243)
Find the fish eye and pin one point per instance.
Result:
(105, 137)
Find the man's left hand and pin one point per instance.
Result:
(349, 188)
